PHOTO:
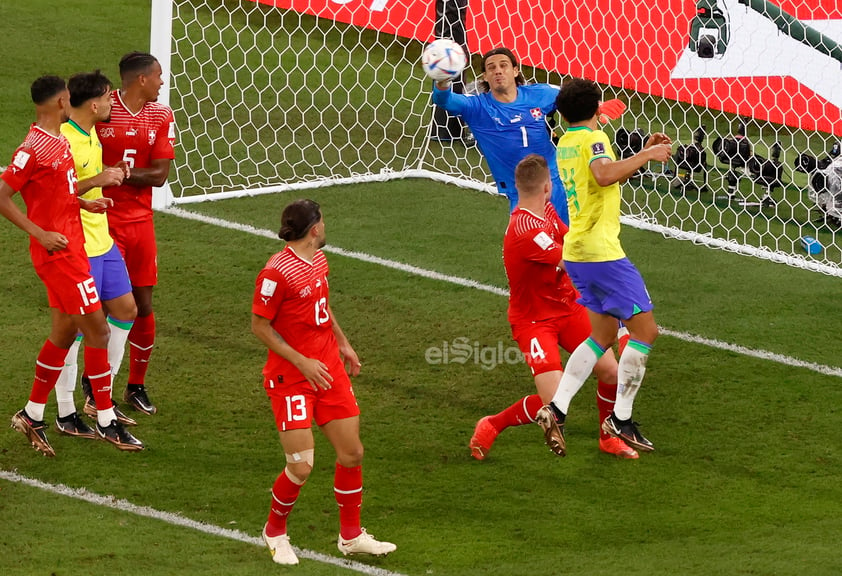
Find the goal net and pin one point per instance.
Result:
(274, 95)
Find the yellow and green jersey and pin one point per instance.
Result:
(594, 210)
(87, 155)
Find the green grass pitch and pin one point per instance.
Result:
(745, 479)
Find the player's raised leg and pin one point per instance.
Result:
(522, 412)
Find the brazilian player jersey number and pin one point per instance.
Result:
(568, 177)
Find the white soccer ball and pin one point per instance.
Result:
(443, 59)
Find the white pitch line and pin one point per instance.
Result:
(176, 520)
(762, 354)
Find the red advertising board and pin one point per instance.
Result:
(756, 69)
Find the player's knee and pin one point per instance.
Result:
(127, 312)
(299, 465)
(606, 371)
(97, 335)
(298, 473)
(648, 334)
(351, 457)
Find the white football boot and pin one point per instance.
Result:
(364, 544)
(281, 549)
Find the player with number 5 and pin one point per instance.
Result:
(305, 380)
(42, 170)
(141, 133)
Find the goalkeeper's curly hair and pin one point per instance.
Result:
(520, 80)
(578, 100)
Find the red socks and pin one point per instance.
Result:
(348, 488)
(98, 371)
(521, 412)
(606, 394)
(284, 494)
(141, 339)
(47, 370)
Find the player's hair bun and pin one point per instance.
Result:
(297, 219)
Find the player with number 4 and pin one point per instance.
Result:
(509, 121)
(305, 380)
(544, 315)
(141, 133)
(42, 170)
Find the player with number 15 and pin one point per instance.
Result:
(42, 170)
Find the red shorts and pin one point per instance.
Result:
(539, 341)
(136, 241)
(70, 286)
(296, 404)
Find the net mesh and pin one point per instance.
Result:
(295, 94)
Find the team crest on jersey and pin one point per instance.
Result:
(152, 134)
(536, 113)
(106, 133)
(598, 148)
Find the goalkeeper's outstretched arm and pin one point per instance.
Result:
(445, 97)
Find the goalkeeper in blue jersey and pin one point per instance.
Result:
(509, 122)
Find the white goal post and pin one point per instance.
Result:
(277, 95)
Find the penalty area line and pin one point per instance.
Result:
(718, 344)
(176, 520)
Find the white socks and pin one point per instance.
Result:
(67, 381)
(579, 367)
(117, 342)
(629, 376)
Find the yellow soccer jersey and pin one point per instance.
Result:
(594, 234)
(87, 155)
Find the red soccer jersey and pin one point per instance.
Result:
(538, 290)
(42, 170)
(293, 294)
(138, 139)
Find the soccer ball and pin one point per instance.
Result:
(443, 59)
